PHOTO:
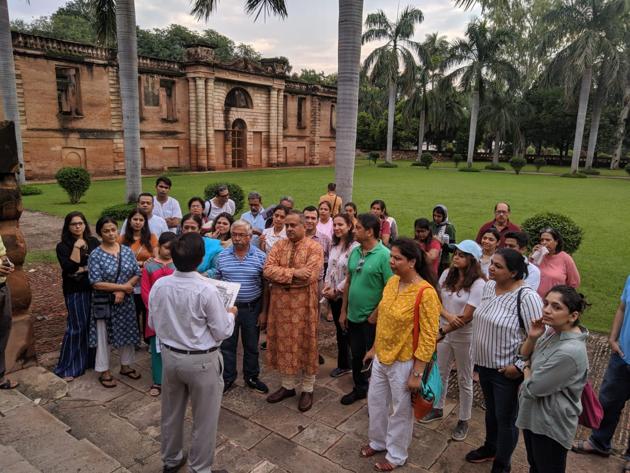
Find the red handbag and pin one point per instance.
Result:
(592, 411)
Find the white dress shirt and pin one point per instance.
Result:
(157, 226)
(186, 312)
(211, 210)
(533, 278)
(168, 209)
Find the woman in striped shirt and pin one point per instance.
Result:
(508, 307)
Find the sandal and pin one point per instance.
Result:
(131, 373)
(580, 447)
(385, 466)
(107, 381)
(367, 451)
(8, 384)
(155, 390)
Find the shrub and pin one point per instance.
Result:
(457, 158)
(373, 156)
(236, 193)
(530, 150)
(30, 190)
(539, 162)
(518, 163)
(467, 169)
(495, 167)
(387, 165)
(75, 181)
(119, 212)
(591, 172)
(627, 168)
(571, 232)
(577, 175)
(426, 160)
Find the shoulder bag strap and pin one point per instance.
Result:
(119, 264)
(416, 318)
(521, 323)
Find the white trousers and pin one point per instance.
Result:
(103, 349)
(390, 411)
(307, 382)
(458, 346)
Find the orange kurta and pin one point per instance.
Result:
(294, 307)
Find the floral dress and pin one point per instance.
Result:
(122, 327)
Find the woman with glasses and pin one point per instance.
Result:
(73, 250)
(556, 266)
(196, 207)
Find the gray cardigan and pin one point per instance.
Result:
(549, 401)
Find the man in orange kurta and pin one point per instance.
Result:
(293, 267)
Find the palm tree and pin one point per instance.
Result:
(479, 60)
(623, 84)
(7, 84)
(585, 32)
(499, 113)
(385, 61)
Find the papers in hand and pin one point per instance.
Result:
(227, 291)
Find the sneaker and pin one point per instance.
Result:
(257, 385)
(460, 432)
(337, 372)
(352, 397)
(227, 385)
(432, 416)
(480, 455)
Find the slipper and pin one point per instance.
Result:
(155, 390)
(68, 379)
(385, 466)
(107, 382)
(8, 384)
(578, 447)
(367, 451)
(133, 374)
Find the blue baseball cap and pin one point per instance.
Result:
(469, 246)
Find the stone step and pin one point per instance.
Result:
(11, 460)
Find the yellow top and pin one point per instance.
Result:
(394, 327)
(3, 252)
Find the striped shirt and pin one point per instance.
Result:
(247, 271)
(497, 335)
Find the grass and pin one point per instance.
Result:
(598, 205)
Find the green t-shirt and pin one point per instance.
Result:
(368, 275)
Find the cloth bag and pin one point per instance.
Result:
(430, 390)
(592, 411)
(102, 301)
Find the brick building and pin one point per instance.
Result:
(197, 114)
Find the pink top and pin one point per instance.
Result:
(434, 245)
(326, 228)
(557, 269)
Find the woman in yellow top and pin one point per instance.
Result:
(397, 369)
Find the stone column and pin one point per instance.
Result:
(202, 151)
(273, 127)
(281, 126)
(212, 155)
(192, 124)
(315, 130)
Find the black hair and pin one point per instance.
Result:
(196, 199)
(351, 204)
(221, 188)
(144, 194)
(165, 180)
(439, 209)
(349, 238)
(104, 220)
(282, 208)
(471, 273)
(332, 186)
(66, 236)
(188, 251)
(229, 218)
(556, 236)
(325, 202)
(194, 217)
(381, 204)
(424, 224)
(370, 222)
(311, 208)
(521, 238)
(494, 232)
(145, 233)
(166, 237)
(409, 249)
(514, 262)
(575, 301)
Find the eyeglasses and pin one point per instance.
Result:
(360, 264)
(240, 235)
(547, 230)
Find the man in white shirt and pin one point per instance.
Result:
(190, 320)
(165, 206)
(220, 203)
(518, 241)
(157, 225)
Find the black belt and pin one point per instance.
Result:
(247, 304)
(2, 284)
(189, 352)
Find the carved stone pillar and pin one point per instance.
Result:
(315, 130)
(280, 126)
(202, 151)
(192, 123)
(273, 127)
(212, 155)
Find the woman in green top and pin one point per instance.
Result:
(444, 231)
(549, 400)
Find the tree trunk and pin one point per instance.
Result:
(621, 126)
(391, 112)
(421, 132)
(596, 116)
(585, 90)
(472, 134)
(128, 77)
(348, 67)
(7, 84)
(495, 150)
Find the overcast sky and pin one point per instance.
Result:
(308, 37)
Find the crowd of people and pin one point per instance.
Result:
(499, 316)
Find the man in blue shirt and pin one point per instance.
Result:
(256, 216)
(243, 263)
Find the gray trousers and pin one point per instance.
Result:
(199, 377)
(5, 325)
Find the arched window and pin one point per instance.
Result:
(239, 98)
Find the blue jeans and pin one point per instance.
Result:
(613, 394)
(501, 395)
(247, 324)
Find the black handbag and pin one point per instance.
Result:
(102, 302)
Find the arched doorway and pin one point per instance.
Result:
(239, 144)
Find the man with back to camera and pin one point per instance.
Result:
(190, 320)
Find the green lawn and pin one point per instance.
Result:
(598, 205)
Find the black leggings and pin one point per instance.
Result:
(141, 314)
(544, 454)
(343, 347)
